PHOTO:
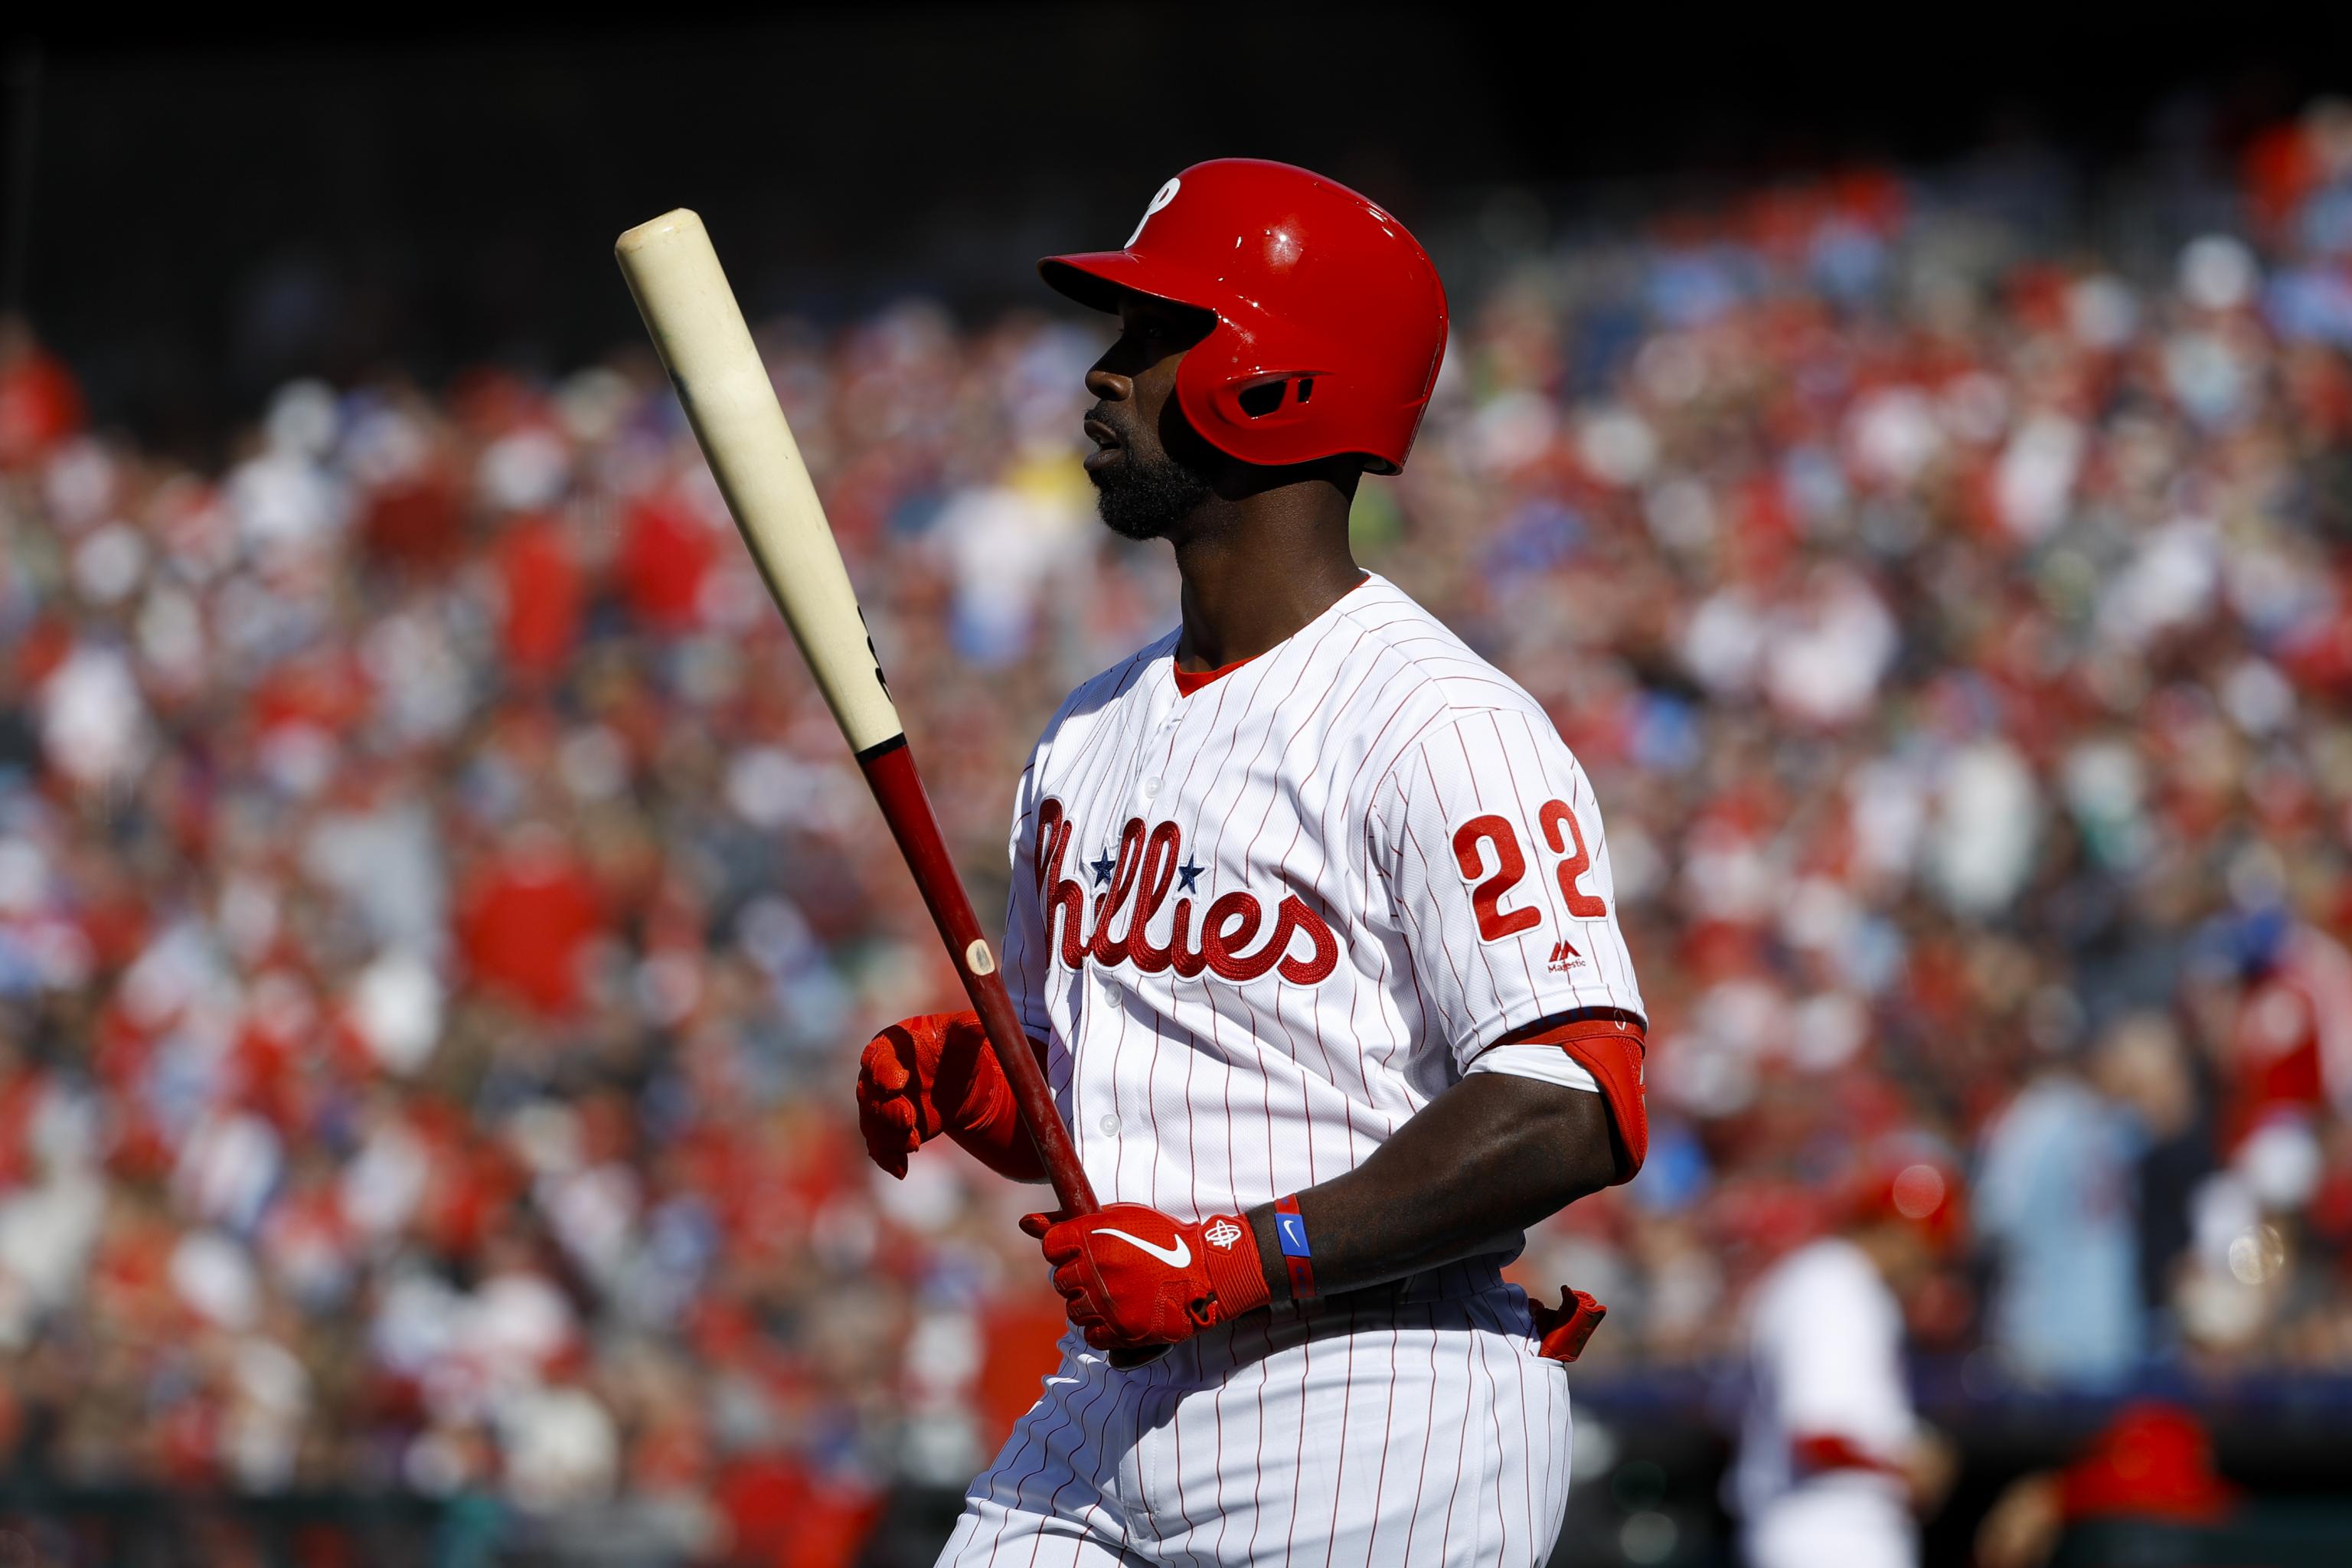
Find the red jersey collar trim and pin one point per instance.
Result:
(1189, 681)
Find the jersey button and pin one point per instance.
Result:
(1109, 1125)
(1151, 788)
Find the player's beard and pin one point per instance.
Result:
(1144, 498)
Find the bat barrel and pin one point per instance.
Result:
(699, 331)
(704, 342)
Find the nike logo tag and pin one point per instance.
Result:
(1175, 1257)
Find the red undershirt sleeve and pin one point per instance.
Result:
(1610, 1047)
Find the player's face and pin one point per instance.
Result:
(1148, 465)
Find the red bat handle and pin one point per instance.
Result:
(898, 788)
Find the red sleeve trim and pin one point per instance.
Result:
(1830, 1451)
(1590, 1023)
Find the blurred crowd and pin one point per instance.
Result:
(438, 918)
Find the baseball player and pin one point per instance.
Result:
(1312, 928)
(1833, 1463)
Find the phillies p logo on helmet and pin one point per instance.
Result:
(1166, 193)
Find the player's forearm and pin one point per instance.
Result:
(1486, 1159)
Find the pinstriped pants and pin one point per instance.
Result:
(1335, 1433)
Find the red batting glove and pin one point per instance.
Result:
(1132, 1276)
(934, 1073)
(1562, 1332)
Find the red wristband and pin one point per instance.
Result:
(1290, 1232)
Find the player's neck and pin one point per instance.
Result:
(1257, 574)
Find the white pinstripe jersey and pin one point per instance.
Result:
(1260, 926)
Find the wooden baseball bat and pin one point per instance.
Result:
(698, 330)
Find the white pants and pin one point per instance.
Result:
(1816, 1526)
(1343, 1433)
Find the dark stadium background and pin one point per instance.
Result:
(444, 170)
(202, 207)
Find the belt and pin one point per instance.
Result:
(1447, 1282)
(1288, 1324)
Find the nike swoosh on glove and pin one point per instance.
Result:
(1132, 1276)
(933, 1074)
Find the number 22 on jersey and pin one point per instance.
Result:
(1561, 836)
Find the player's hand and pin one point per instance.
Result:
(925, 1076)
(1132, 1276)
(1931, 1466)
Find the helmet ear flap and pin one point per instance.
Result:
(1250, 413)
(1272, 418)
(1268, 399)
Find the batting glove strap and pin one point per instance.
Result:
(1236, 1278)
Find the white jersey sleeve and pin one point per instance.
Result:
(1545, 1064)
(1488, 844)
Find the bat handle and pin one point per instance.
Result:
(898, 788)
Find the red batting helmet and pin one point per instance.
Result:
(1331, 320)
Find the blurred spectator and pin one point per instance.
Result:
(2142, 1066)
(2055, 1201)
(2153, 1462)
(40, 404)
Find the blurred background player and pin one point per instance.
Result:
(1834, 1464)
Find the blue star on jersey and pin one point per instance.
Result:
(1189, 873)
(1102, 869)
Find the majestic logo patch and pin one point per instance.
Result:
(1223, 1234)
(1135, 884)
(1564, 957)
